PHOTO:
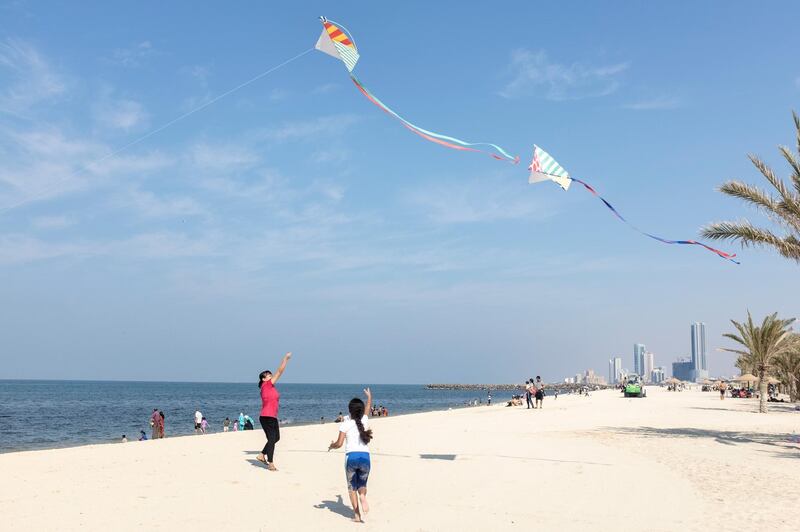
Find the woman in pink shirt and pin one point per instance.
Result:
(269, 411)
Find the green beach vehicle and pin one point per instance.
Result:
(633, 387)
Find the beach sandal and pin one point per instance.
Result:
(261, 459)
(272, 467)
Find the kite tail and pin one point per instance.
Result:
(449, 142)
(724, 255)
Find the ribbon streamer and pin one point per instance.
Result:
(449, 142)
(724, 255)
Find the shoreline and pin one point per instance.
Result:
(256, 429)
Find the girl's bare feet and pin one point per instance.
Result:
(271, 467)
(357, 517)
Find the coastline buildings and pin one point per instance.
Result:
(614, 370)
(638, 359)
(699, 363)
(683, 369)
(649, 365)
(657, 376)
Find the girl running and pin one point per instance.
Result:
(355, 435)
(269, 411)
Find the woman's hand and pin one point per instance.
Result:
(367, 392)
(287, 356)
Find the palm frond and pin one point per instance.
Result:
(748, 235)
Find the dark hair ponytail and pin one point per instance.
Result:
(356, 408)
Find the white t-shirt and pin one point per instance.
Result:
(198, 417)
(352, 440)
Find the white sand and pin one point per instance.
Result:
(672, 461)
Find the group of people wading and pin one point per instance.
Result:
(354, 434)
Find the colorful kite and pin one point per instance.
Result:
(337, 42)
(544, 168)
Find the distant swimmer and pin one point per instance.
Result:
(355, 435)
(270, 400)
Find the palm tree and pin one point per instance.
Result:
(783, 210)
(786, 368)
(760, 347)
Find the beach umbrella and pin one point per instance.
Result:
(747, 377)
(773, 380)
(672, 380)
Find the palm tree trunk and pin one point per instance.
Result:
(762, 390)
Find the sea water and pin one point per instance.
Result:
(49, 414)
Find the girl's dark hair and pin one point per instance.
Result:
(262, 375)
(356, 408)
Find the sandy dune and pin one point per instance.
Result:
(672, 461)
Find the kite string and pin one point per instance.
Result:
(723, 254)
(156, 131)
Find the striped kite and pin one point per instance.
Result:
(336, 41)
(544, 168)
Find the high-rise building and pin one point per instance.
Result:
(683, 370)
(649, 365)
(638, 359)
(617, 371)
(698, 341)
(657, 375)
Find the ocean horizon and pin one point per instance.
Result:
(47, 414)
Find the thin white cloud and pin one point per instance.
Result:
(31, 79)
(303, 129)
(654, 104)
(150, 205)
(476, 201)
(134, 55)
(534, 74)
(277, 95)
(218, 157)
(324, 88)
(124, 114)
(52, 222)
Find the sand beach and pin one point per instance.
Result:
(671, 461)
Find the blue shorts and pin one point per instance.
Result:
(356, 467)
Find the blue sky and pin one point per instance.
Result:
(294, 215)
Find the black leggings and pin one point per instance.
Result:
(273, 432)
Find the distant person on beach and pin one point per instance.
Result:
(154, 419)
(489, 399)
(161, 424)
(722, 388)
(235, 425)
(142, 435)
(203, 426)
(248, 422)
(529, 393)
(339, 418)
(539, 391)
(270, 399)
(355, 435)
(198, 419)
(124, 439)
(226, 425)
(241, 420)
